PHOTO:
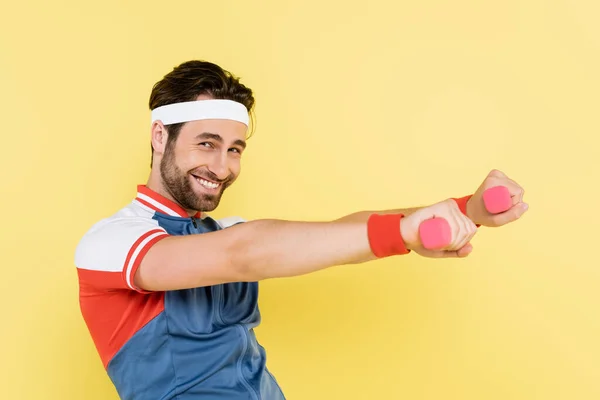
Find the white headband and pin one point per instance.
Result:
(201, 109)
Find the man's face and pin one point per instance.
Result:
(203, 162)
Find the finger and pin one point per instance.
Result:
(513, 214)
(448, 254)
(497, 173)
(432, 253)
(458, 234)
(466, 232)
(465, 250)
(472, 229)
(460, 253)
(515, 190)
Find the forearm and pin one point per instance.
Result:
(275, 248)
(363, 216)
(302, 247)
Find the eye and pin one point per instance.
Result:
(206, 144)
(236, 150)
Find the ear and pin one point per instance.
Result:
(159, 137)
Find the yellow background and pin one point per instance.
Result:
(360, 105)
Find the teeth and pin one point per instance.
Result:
(207, 184)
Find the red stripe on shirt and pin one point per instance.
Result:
(147, 204)
(170, 205)
(137, 261)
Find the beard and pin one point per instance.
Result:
(178, 184)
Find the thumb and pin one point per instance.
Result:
(460, 253)
(465, 250)
(496, 173)
(513, 214)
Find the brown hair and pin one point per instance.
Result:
(191, 79)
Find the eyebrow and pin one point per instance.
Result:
(218, 138)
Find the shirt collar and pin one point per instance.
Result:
(161, 204)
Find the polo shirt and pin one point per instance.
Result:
(186, 344)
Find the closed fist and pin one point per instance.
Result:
(461, 227)
(477, 212)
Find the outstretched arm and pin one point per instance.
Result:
(268, 248)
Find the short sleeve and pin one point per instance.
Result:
(109, 254)
(230, 221)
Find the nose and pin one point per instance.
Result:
(219, 166)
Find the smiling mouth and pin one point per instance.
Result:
(206, 183)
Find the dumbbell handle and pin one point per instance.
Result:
(435, 233)
(497, 199)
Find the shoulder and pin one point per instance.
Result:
(116, 236)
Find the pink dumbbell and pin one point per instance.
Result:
(435, 233)
(497, 199)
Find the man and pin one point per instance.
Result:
(169, 294)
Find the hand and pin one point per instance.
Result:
(462, 228)
(477, 212)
